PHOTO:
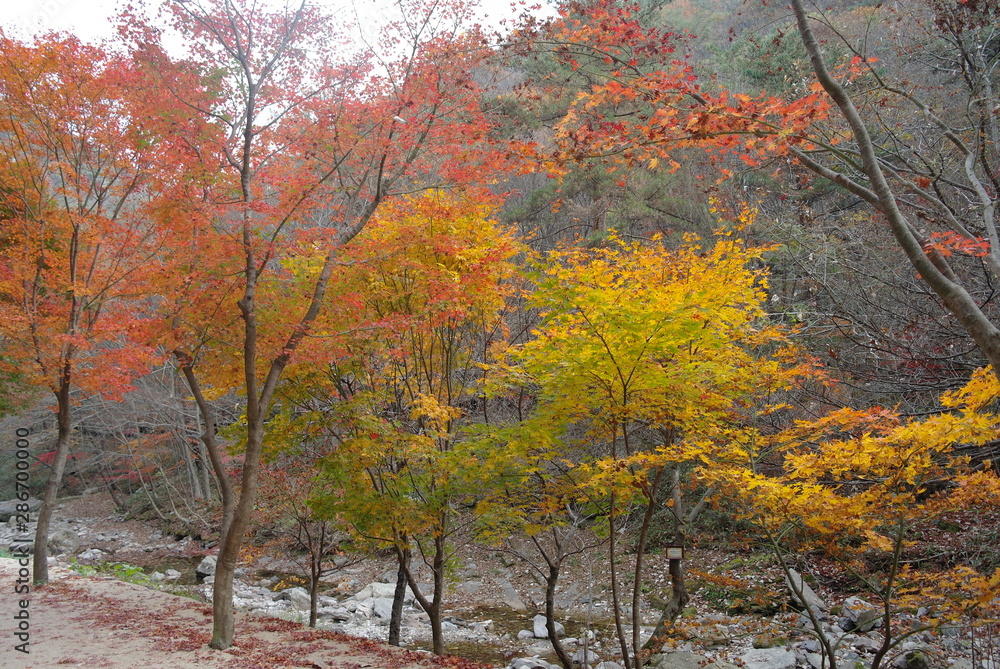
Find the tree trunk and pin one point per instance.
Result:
(229, 554)
(640, 550)
(678, 600)
(550, 614)
(202, 465)
(315, 571)
(432, 607)
(194, 481)
(437, 634)
(398, 596)
(954, 296)
(679, 594)
(64, 420)
(615, 595)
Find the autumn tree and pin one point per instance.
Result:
(851, 125)
(647, 359)
(428, 292)
(288, 483)
(537, 512)
(858, 485)
(78, 241)
(934, 208)
(310, 141)
(544, 78)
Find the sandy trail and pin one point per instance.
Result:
(96, 621)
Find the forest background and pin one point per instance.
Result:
(585, 278)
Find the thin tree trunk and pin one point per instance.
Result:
(112, 485)
(398, 595)
(640, 550)
(679, 594)
(437, 633)
(432, 607)
(615, 595)
(64, 420)
(551, 579)
(202, 464)
(315, 571)
(678, 600)
(194, 481)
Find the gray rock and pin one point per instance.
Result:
(171, 575)
(382, 590)
(720, 664)
(382, 606)
(93, 554)
(769, 658)
(298, 596)
(809, 598)
(678, 660)
(528, 663)
(541, 632)
(861, 615)
(569, 597)
(9, 508)
(207, 566)
(584, 657)
(334, 613)
(481, 626)
(866, 644)
(609, 665)
(63, 540)
(687, 660)
(510, 597)
(525, 634)
(157, 576)
(470, 587)
(914, 656)
(539, 647)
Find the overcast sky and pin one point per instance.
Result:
(90, 19)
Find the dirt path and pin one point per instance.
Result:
(99, 622)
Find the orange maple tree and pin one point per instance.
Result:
(77, 245)
(296, 147)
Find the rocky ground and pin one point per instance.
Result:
(493, 602)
